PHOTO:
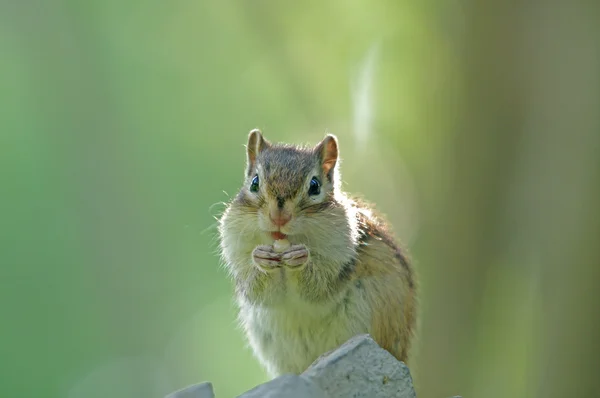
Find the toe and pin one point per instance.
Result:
(295, 254)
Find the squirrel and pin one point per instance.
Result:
(312, 267)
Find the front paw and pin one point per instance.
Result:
(295, 257)
(266, 259)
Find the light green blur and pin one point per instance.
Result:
(474, 127)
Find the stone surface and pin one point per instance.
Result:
(360, 368)
(202, 390)
(286, 386)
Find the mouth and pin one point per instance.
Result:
(278, 235)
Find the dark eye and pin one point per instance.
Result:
(254, 184)
(315, 186)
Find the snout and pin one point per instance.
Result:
(279, 217)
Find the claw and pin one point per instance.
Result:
(295, 256)
(266, 259)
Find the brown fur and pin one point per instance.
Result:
(389, 275)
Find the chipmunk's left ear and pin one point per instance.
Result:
(256, 144)
(328, 154)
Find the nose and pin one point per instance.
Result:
(279, 217)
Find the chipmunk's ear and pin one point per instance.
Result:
(256, 144)
(328, 154)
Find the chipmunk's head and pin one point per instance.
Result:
(287, 184)
(288, 191)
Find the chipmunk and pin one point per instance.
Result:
(311, 266)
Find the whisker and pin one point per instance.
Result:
(211, 226)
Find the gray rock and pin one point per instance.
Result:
(286, 386)
(360, 368)
(202, 390)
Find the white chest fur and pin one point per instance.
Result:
(289, 336)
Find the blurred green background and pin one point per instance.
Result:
(475, 127)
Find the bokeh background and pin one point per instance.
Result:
(475, 126)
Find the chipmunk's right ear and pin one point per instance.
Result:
(328, 153)
(256, 144)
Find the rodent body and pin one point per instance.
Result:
(342, 275)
